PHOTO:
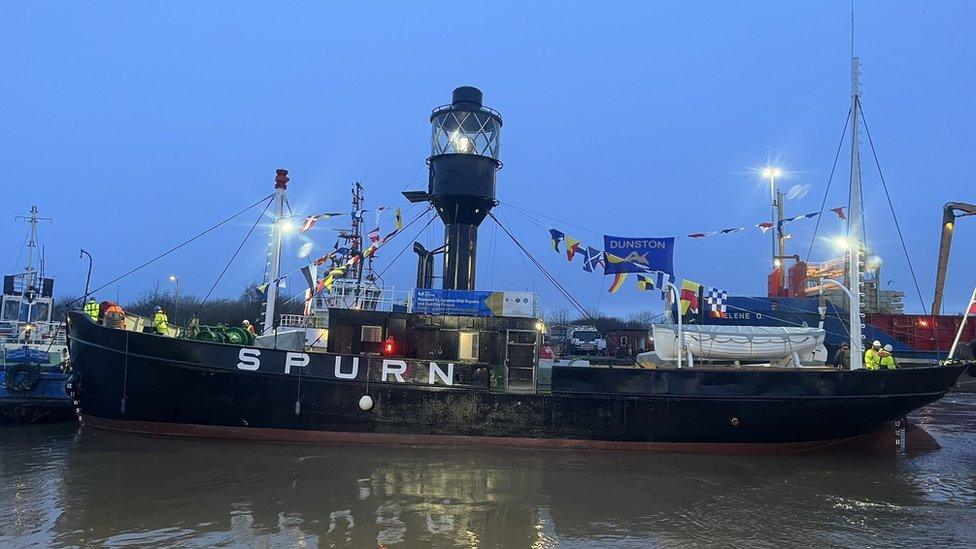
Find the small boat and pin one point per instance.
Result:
(33, 348)
(743, 343)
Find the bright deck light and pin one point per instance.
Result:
(286, 225)
(771, 171)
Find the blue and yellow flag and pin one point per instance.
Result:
(556, 237)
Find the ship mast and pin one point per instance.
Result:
(855, 223)
(274, 251)
(30, 273)
(356, 235)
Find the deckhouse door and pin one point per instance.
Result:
(520, 360)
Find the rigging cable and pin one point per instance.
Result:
(894, 216)
(524, 212)
(569, 297)
(492, 255)
(232, 258)
(830, 179)
(20, 254)
(524, 264)
(173, 249)
(409, 242)
(599, 295)
(731, 251)
(412, 179)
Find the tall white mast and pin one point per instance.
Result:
(855, 224)
(31, 246)
(30, 273)
(272, 272)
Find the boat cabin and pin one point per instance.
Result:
(628, 341)
(507, 346)
(25, 310)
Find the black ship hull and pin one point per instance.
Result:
(147, 383)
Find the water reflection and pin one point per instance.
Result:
(61, 488)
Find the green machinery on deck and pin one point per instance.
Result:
(221, 334)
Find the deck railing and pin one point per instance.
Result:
(43, 333)
(302, 321)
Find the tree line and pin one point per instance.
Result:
(603, 323)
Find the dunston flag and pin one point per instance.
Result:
(639, 254)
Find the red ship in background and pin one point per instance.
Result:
(928, 334)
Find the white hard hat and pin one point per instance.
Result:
(876, 343)
(888, 347)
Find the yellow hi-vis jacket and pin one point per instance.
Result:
(872, 360)
(91, 309)
(161, 322)
(887, 361)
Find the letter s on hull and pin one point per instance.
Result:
(249, 359)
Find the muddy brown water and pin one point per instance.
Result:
(64, 487)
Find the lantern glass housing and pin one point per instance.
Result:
(465, 129)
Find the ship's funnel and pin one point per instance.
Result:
(463, 161)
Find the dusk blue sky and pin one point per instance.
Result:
(138, 124)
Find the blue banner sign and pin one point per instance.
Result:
(473, 302)
(634, 255)
(27, 354)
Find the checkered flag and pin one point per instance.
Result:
(716, 301)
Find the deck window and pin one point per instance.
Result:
(468, 346)
(11, 309)
(372, 334)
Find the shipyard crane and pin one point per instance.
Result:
(950, 213)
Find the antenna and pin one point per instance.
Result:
(33, 220)
(852, 28)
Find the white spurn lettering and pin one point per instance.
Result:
(342, 375)
(397, 371)
(249, 359)
(391, 368)
(295, 360)
(436, 372)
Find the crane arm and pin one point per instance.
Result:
(950, 212)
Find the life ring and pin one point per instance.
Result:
(30, 374)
